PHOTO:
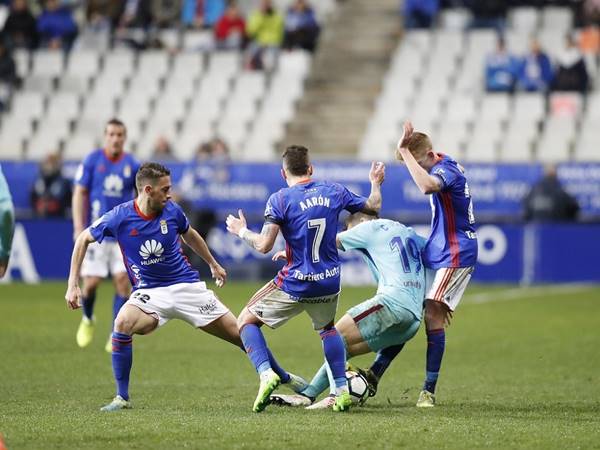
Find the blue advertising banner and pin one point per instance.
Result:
(497, 189)
(507, 253)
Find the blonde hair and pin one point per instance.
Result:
(419, 144)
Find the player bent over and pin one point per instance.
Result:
(451, 250)
(165, 286)
(307, 213)
(389, 319)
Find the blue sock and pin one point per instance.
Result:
(318, 384)
(87, 303)
(436, 342)
(285, 377)
(122, 359)
(335, 354)
(256, 347)
(384, 358)
(118, 302)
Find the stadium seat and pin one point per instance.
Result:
(77, 146)
(198, 40)
(65, 105)
(494, 107)
(187, 65)
(120, 62)
(83, 63)
(48, 63)
(153, 64)
(565, 104)
(27, 105)
(530, 107)
(558, 19)
(524, 18)
(518, 41)
(455, 18)
(22, 62)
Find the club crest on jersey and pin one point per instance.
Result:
(163, 227)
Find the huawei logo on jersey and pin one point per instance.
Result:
(113, 185)
(151, 248)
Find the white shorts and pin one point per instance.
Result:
(190, 302)
(101, 259)
(448, 285)
(274, 307)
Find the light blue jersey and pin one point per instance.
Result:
(393, 253)
(4, 191)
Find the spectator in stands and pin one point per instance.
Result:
(591, 11)
(20, 28)
(162, 151)
(420, 13)
(265, 29)
(535, 73)
(301, 27)
(571, 73)
(104, 10)
(214, 150)
(589, 40)
(56, 26)
(136, 14)
(8, 75)
(230, 29)
(202, 13)
(165, 13)
(548, 201)
(488, 13)
(51, 193)
(501, 69)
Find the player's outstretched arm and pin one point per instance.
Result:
(196, 243)
(78, 203)
(376, 177)
(262, 242)
(73, 295)
(426, 183)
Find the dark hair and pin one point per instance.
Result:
(355, 218)
(296, 160)
(150, 172)
(116, 122)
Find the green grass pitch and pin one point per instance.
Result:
(521, 370)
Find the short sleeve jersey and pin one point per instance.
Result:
(151, 245)
(393, 253)
(308, 216)
(109, 182)
(453, 242)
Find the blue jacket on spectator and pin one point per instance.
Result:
(501, 71)
(536, 72)
(295, 20)
(58, 23)
(420, 13)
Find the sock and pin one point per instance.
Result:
(436, 342)
(285, 377)
(318, 384)
(118, 302)
(87, 303)
(335, 354)
(122, 359)
(256, 347)
(384, 358)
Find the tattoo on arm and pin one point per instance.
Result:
(256, 240)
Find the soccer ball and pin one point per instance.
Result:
(357, 385)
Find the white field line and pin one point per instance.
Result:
(527, 292)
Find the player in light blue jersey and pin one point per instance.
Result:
(165, 286)
(105, 178)
(7, 224)
(389, 319)
(307, 213)
(451, 249)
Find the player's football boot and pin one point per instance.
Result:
(269, 381)
(296, 383)
(117, 404)
(108, 345)
(326, 403)
(85, 332)
(426, 400)
(290, 400)
(367, 374)
(343, 402)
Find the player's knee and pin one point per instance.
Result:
(124, 324)
(434, 315)
(244, 319)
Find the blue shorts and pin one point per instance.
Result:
(381, 327)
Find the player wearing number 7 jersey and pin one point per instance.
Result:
(306, 212)
(452, 246)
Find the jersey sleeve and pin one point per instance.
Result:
(274, 209)
(356, 237)
(83, 176)
(183, 224)
(446, 175)
(350, 201)
(105, 226)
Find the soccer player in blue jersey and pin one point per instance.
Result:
(165, 286)
(451, 249)
(390, 318)
(105, 178)
(7, 224)
(306, 212)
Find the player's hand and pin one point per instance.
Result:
(377, 172)
(219, 274)
(73, 297)
(235, 224)
(279, 255)
(407, 131)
